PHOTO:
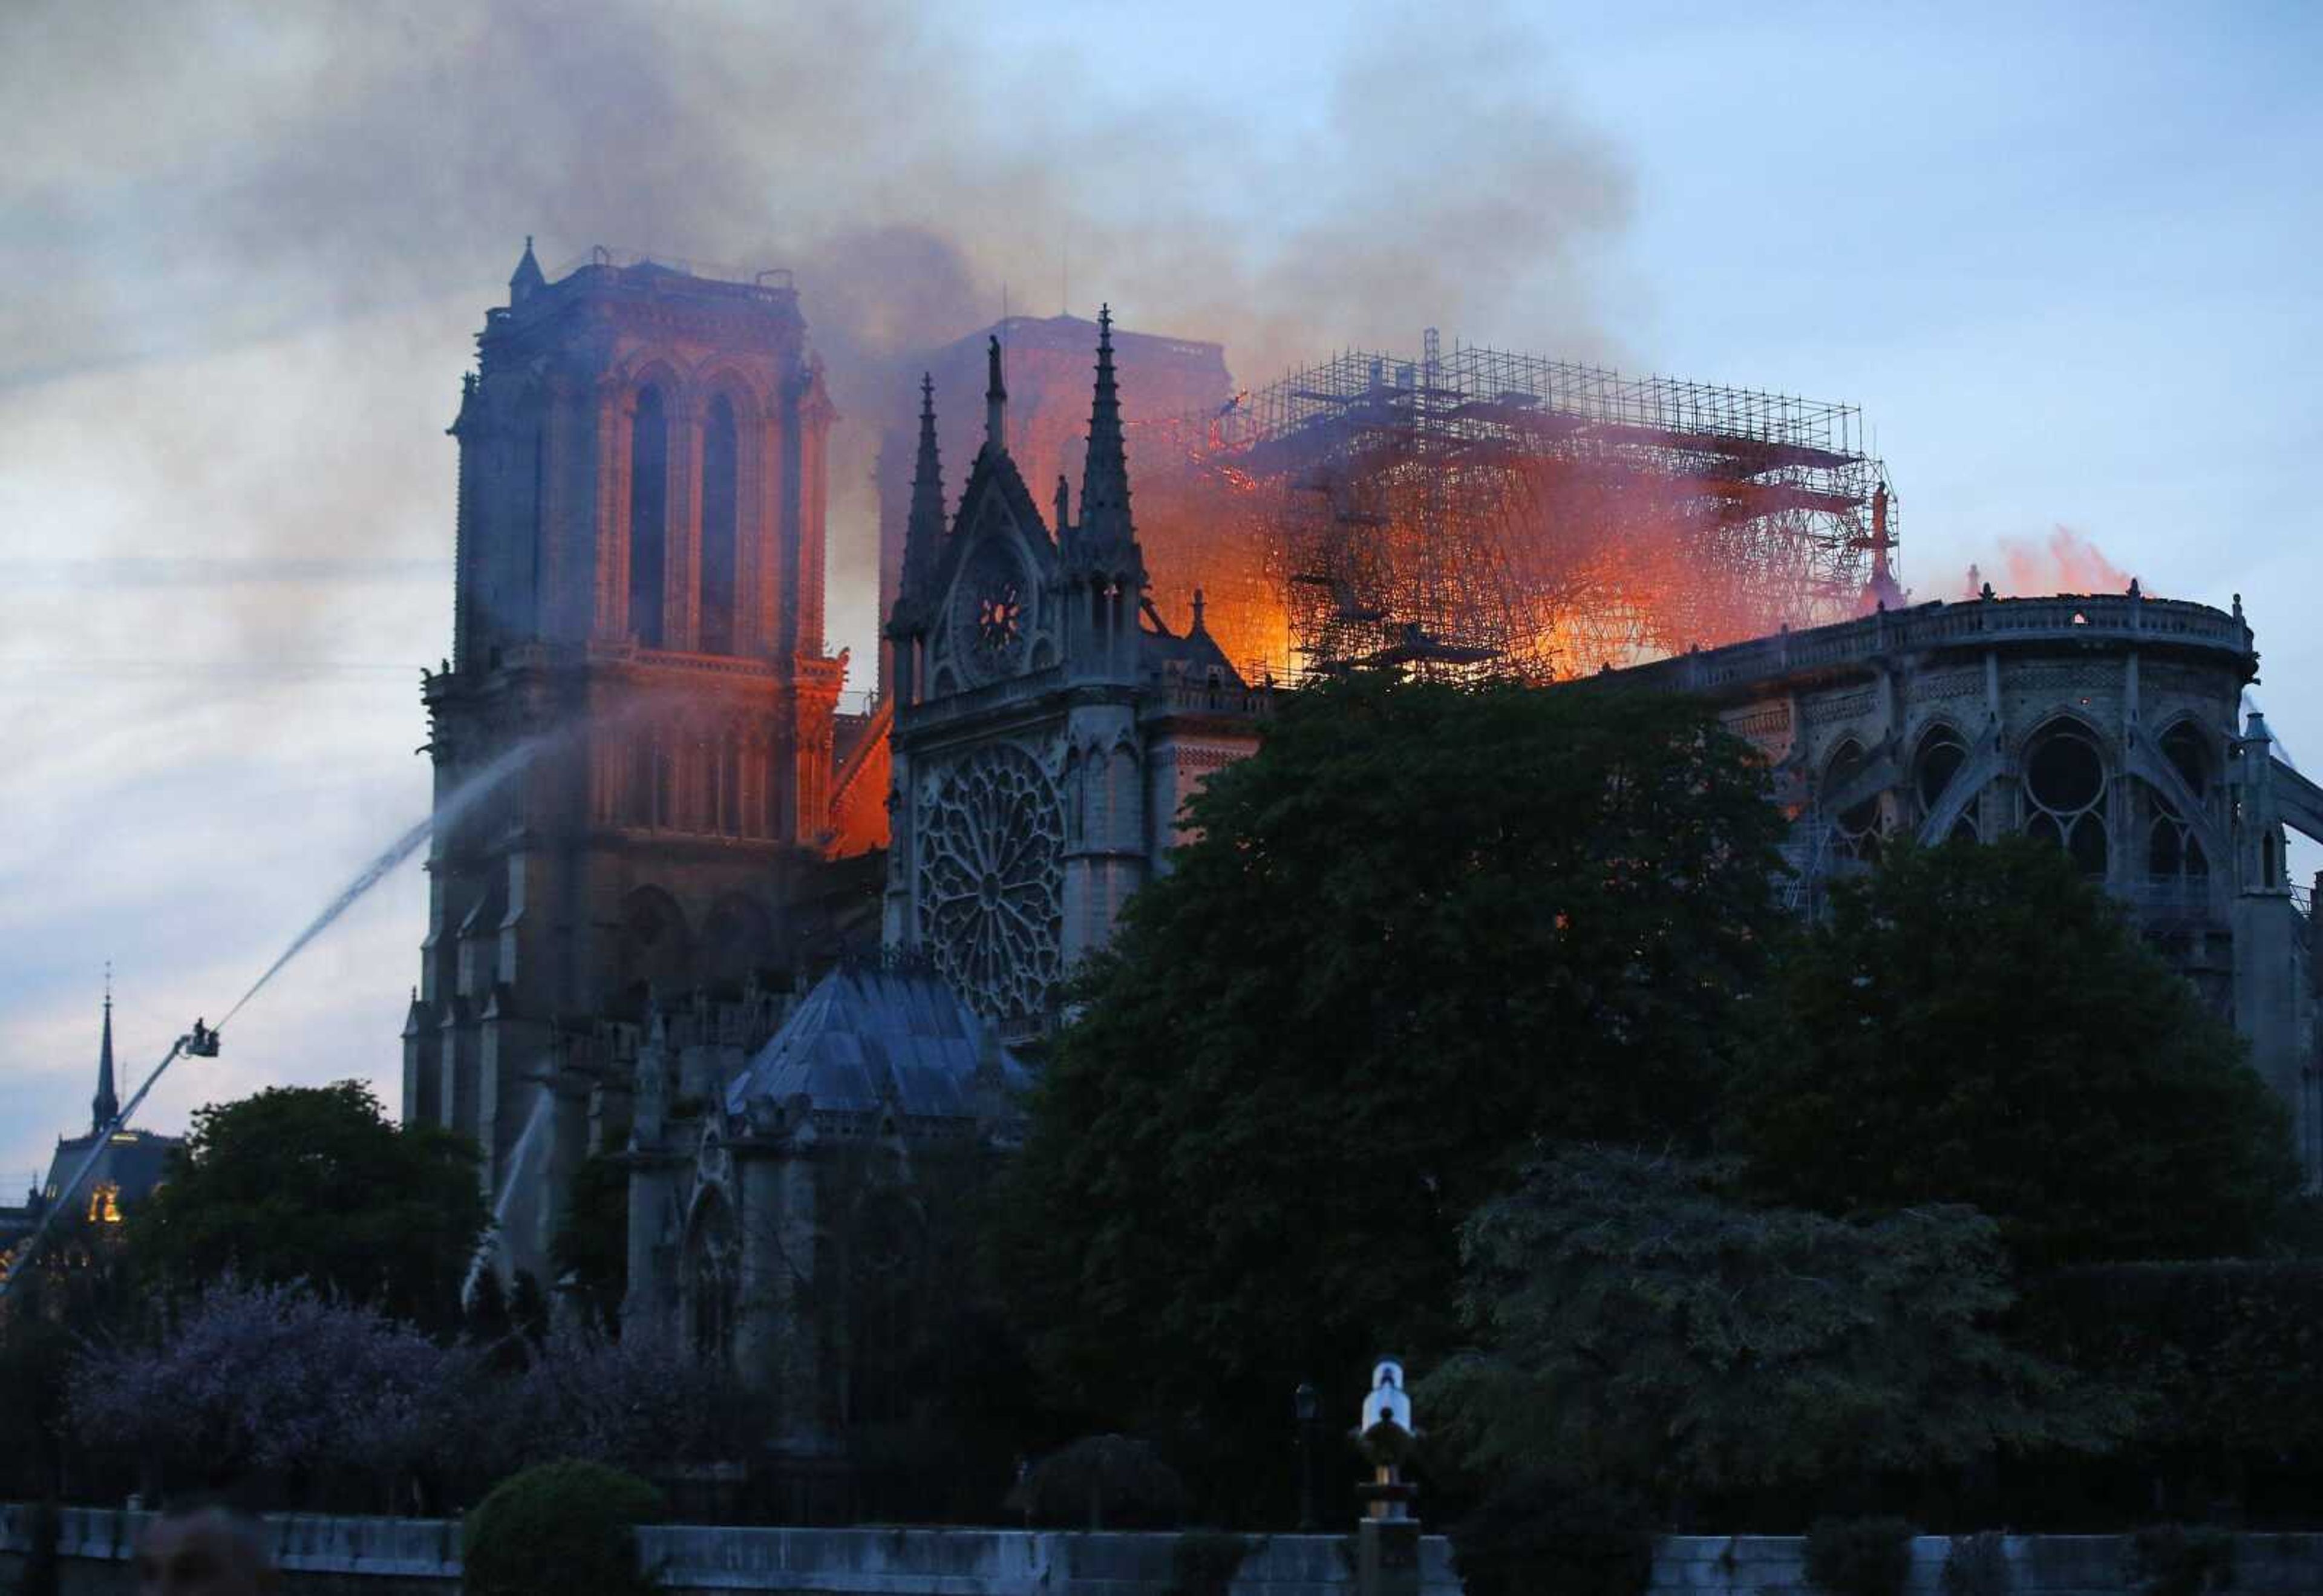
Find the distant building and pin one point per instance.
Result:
(129, 1165)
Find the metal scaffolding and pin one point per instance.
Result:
(1484, 510)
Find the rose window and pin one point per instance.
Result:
(991, 881)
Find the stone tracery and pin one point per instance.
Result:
(991, 879)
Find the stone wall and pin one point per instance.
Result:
(351, 1556)
(331, 1556)
(2038, 1565)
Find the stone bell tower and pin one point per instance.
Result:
(640, 605)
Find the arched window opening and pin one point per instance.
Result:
(2165, 853)
(1942, 754)
(721, 508)
(713, 1279)
(1856, 828)
(656, 947)
(649, 516)
(2065, 787)
(2183, 746)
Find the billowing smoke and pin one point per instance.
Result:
(2064, 563)
(212, 173)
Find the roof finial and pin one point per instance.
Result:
(1198, 612)
(996, 402)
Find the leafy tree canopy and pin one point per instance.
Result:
(1422, 926)
(1641, 1331)
(1978, 1023)
(317, 1183)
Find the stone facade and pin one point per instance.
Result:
(1047, 724)
(638, 655)
(2110, 724)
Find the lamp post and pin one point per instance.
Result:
(1303, 1403)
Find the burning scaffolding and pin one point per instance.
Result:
(1480, 509)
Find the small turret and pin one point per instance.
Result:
(527, 279)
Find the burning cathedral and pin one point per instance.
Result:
(778, 963)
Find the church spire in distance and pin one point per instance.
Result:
(106, 1107)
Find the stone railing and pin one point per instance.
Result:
(391, 1556)
(1976, 623)
(2038, 1565)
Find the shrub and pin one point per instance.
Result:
(1100, 1482)
(559, 1530)
(1532, 1535)
(1202, 1562)
(1977, 1565)
(1859, 1556)
(2172, 1559)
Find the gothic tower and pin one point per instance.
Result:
(638, 657)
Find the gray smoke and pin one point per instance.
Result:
(203, 175)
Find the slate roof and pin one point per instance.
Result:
(134, 1160)
(867, 1037)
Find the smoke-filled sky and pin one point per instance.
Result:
(2063, 259)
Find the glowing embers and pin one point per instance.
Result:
(2065, 790)
(104, 1203)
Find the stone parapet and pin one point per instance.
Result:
(1853, 645)
(391, 1556)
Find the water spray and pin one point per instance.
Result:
(201, 1041)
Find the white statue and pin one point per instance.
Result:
(1388, 1403)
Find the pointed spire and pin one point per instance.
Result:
(527, 276)
(926, 526)
(106, 1107)
(1104, 476)
(996, 402)
(1198, 629)
(1064, 505)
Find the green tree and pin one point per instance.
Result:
(317, 1183)
(1980, 1024)
(1422, 926)
(1641, 1331)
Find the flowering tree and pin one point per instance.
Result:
(278, 1379)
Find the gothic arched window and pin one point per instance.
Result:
(1856, 828)
(2065, 789)
(721, 507)
(649, 516)
(1941, 756)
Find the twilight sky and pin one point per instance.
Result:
(2064, 257)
